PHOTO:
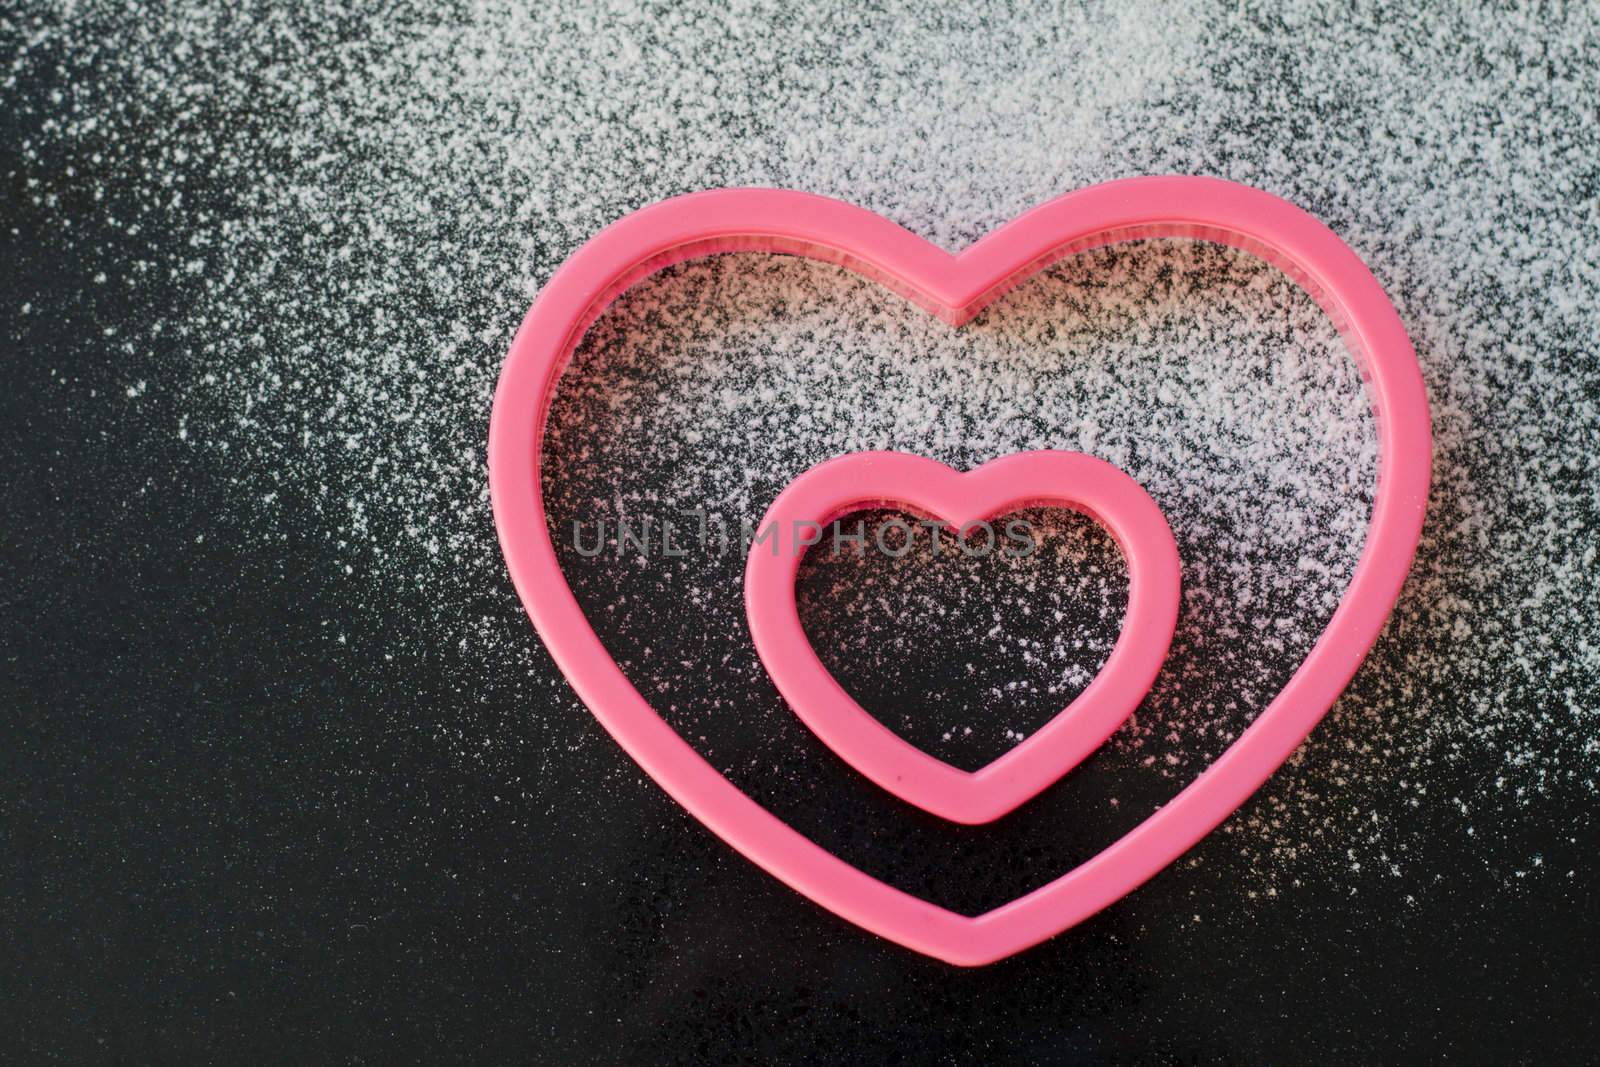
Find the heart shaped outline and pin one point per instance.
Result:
(956, 287)
(866, 479)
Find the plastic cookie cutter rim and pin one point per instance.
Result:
(860, 480)
(956, 287)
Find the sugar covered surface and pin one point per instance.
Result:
(384, 192)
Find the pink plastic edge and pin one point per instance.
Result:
(1055, 478)
(956, 287)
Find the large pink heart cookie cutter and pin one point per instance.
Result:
(867, 479)
(956, 287)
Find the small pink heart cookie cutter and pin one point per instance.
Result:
(867, 479)
(955, 288)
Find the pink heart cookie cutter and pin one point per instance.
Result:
(955, 288)
(869, 479)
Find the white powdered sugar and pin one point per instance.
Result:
(360, 208)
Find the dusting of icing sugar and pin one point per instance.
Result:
(364, 206)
